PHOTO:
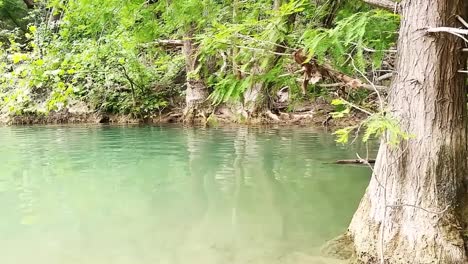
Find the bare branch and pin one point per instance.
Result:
(170, 42)
(289, 74)
(225, 62)
(355, 161)
(385, 77)
(331, 85)
(449, 30)
(454, 31)
(263, 50)
(369, 87)
(373, 50)
(262, 41)
(358, 108)
(385, 4)
(463, 21)
(374, 87)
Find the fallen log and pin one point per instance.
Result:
(355, 161)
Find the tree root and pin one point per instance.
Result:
(341, 247)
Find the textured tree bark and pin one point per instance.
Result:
(414, 210)
(196, 93)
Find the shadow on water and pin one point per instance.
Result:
(172, 194)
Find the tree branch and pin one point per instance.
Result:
(380, 88)
(449, 30)
(170, 42)
(462, 21)
(388, 5)
(454, 31)
(355, 161)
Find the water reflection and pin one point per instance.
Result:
(171, 195)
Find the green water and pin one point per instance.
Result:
(140, 195)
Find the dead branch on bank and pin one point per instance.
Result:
(355, 161)
(384, 77)
(166, 43)
(313, 72)
(369, 87)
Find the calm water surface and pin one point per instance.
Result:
(141, 195)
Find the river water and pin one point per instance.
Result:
(170, 195)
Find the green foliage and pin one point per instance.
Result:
(105, 53)
(342, 108)
(376, 126)
(13, 14)
(82, 62)
(342, 135)
(228, 88)
(252, 36)
(387, 126)
(351, 37)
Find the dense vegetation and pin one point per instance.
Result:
(143, 58)
(204, 59)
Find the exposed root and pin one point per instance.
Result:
(341, 247)
(272, 116)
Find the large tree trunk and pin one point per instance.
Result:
(414, 210)
(196, 93)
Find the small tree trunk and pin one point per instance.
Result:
(252, 94)
(413, 209)
(197, 93)
(29, 3)
(332, 10)
(54, 14)
(256, 97)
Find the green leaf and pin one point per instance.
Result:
(343, 134)
(338, 102)
(18, 57)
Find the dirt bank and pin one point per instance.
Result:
(316, 113)
(281, 118)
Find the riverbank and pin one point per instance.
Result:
(313, 114)
(313, 119)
